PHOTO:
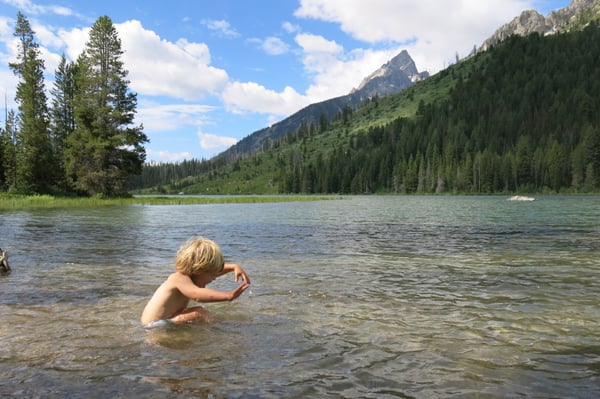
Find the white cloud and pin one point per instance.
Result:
(213, 142)
(432, 31)
(290, 27)
(274, 46)
(160, 67)
(221, 28)
(172, 117)
(27, 7)
(167, 156)
(253, 97)
(318, 44)
(46, 36)
(74, 41)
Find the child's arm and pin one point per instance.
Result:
(237, 270)
(186, 286)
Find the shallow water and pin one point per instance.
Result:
(426, 297)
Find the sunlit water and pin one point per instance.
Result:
(425, 297)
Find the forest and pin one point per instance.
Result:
(82, 141)
(523, 116)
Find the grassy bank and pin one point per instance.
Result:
(14, 202)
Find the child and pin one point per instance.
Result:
(199, 261)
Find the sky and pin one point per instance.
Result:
(209, 73)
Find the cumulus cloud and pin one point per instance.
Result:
(319, 54)
(214, 142)
(160, 67)
(157, 67)
(74, 41)
(172, 117)
(271, 45)
(274, 46)
(250, 96)
(432, 31)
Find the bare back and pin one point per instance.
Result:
(166, 302)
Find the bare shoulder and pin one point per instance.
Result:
(178, 280)
(172, 282)
(178, 277)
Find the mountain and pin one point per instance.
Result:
(396, 75)
(531, 21)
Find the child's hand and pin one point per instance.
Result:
(238, 291)
(239, 272)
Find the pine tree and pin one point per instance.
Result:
(33, 149)
(3, 142)
(104, 151)
(62, 119)
(9, 161)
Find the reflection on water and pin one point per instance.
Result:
(362, 297)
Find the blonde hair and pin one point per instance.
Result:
(199, 255)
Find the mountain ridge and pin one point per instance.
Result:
(397, 74)
(531, 21)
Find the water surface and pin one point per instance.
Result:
(373, 296)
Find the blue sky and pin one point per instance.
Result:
(209, 73)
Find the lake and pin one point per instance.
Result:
(362, 297)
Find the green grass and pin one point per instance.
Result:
(19, 202)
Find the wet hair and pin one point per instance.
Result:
(199, 255)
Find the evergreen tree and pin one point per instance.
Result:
(9, 159)
(33, 149)
(104, 151)
(62, 119)
(2, 158)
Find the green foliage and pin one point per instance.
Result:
(8, 156)
(62, 116)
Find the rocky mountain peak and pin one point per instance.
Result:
(392, 77)
(530, 21)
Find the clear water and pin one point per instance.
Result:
(383, 297)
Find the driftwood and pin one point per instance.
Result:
(4, 267)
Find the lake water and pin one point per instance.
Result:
(364, 297)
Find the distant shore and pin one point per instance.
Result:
(17, 202)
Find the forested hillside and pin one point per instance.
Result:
(523, 116)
